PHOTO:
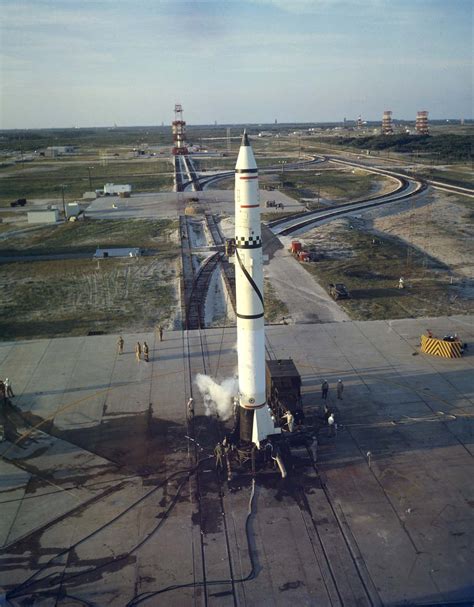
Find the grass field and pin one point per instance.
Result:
(371, 273)
(337, 186)
(57, 298)
(86, 236)
(340, 186)
(43, 179)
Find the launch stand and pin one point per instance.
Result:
(281, 452)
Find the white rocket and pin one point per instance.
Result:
(255, 418)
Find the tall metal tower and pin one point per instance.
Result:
(179, 131)
(387, 127)
(421, 126)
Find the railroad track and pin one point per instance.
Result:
(178, 175)
(195, 313)
(195, 284)
(206, 181)
(344, 577)
(214, 558)
(227, 268)
(300, 222)
(187, 276)
(223, 555)
(402, 186)
(193, 179)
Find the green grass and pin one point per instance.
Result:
(446, 146)
(372, 272)
(341, 186)
(463, 177)
(43, 178)
(338, 186)
(33, 139)
(86, 236)
(57, 298)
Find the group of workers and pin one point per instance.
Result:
(145, 350)
(139, 348)
(325, 389)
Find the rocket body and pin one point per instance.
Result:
(256, 422)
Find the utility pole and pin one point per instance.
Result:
(64, 203)
(90, 179)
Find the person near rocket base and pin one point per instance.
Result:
(256, 423)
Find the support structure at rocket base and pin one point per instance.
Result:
(256, 423)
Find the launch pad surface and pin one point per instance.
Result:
(100, 502)
(169, 204)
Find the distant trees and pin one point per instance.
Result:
(447, 147)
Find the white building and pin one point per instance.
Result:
(113, 189)
(124, 252)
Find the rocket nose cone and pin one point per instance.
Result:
(245, 139)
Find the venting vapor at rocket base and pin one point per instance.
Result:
(256, 423)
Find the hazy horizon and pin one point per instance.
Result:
(451, 120)
(94, 63)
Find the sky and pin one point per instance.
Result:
(67, 63)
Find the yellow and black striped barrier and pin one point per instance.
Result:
(439, 347)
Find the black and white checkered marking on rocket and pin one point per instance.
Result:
(248, 242)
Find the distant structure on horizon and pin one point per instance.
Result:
(421, 125)
(179, 131)
(387, 127)
(359, 122)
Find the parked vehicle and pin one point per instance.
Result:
(338, 291)
(296, 249)
(20, 202)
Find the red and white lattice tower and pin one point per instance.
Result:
(179, 131)
(387, 127)
(422, 127)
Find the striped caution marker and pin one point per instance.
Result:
(439, 347)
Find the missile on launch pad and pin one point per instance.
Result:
(256, 422)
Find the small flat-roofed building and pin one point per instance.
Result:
(59, 150)
(116, 189)
(119, 252)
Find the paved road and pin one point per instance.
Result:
(306, 300)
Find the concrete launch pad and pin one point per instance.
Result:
(170, 204)
(98, 504)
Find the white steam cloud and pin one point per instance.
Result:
(218, 397)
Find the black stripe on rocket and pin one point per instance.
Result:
(254, 287)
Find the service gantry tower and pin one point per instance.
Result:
(421, 126)
(179, 131)
(387, 128)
